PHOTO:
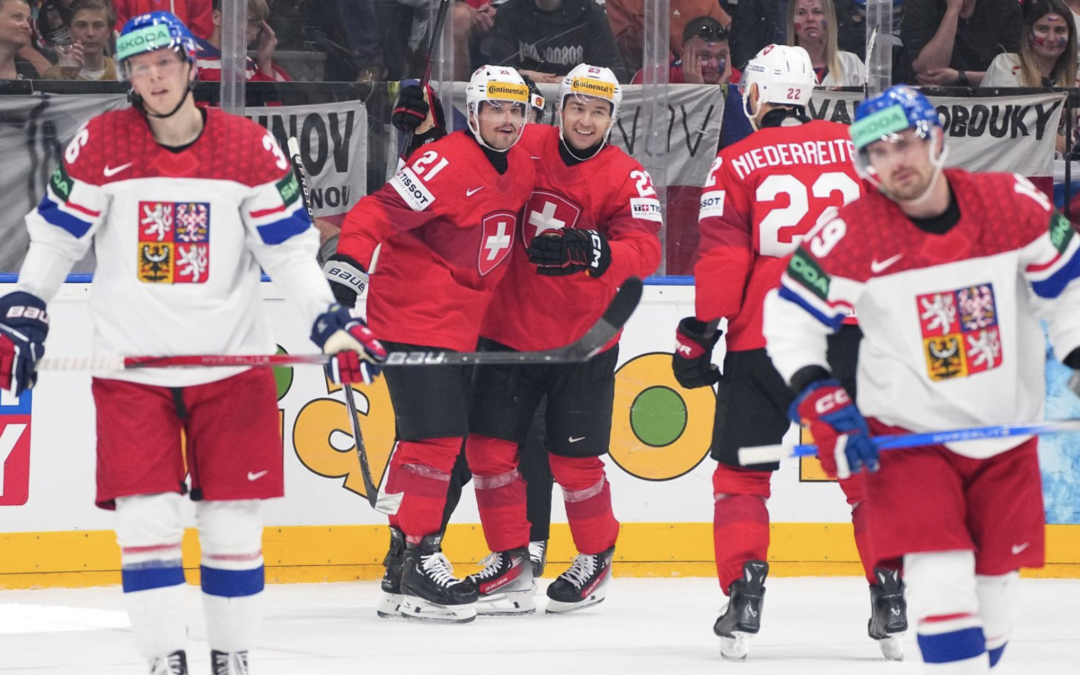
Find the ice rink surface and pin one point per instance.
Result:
(646, 626)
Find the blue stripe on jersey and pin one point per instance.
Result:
(232, 583)
(144, 577)
(1052, 286)
(959, 645)
(50, 211)
(286, 228)
(995, 655)
(791, 296)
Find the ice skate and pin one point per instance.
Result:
(228, 663)
(888, 613)
(583, 585)
(390, 602)
(506, 584)
(173, 664)
(538, 556)
(430, 591)
(742, 616)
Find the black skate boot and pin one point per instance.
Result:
(173, 664)
(505, 584)
(583, 585)
(390, 602)
(888, 613)
(228, 663)
(742, 618)
(538, 556)
(430, 591)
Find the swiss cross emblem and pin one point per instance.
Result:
(547, 211)
(496, 239)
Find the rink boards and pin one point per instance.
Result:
(52, 535)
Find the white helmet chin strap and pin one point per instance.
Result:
(475, 129)
(746, 106)
(570, 148)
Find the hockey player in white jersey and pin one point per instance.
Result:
(182, 205)
(949, 273)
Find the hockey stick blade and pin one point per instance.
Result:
(774, 453)
(609, 325)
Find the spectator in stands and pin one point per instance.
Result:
(811, 24)
(628, 25)
(545, 39)
(91, 25)
(357, 18)
(1047, 56)
(15, 35)
(196, 14)
(706, 56)
(760, 23)
(262, 69)
(473, 21)
(397, 21)
(952, 42)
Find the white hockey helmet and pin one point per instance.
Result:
(496, 85)
(587, 82)
(783, 75)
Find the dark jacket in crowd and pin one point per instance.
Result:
(993, 29)
(554, 42)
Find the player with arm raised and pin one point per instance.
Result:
(763, 194)
(446, 224)
(949, 273)
(183, 206)
(591, 222)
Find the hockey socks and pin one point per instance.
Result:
(740, 520)
(860, 520)
(232, 572)
(417, 484)
(587, 496)
(149, 533)
(500, 492)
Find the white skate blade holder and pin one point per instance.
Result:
(595, 598)
(736, 647)
(389, 605)
(517, 603)
(421, 610)
(892, 647)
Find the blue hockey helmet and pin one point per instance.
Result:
(152, 31)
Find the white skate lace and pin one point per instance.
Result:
(439, 569)
(583, 568)
(167, 665)
(492, 565)
(536, 550)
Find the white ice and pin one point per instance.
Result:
(646, 626)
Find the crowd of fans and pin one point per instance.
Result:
(994, 43)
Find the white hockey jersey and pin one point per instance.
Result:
(179, 238)
(950, 322)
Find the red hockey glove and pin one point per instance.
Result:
(357, 354)
(692, 360)
(23, 327)
(839, 429)
(558, 253)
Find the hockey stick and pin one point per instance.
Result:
(774, 453)
(590, 344)
(429, 61)
(350, 401)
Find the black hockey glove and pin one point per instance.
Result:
(1073, 361)
(558, 253)
(23, 327)
(692, 360)
(411, 109)
(347, 278)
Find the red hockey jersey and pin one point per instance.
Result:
(447, 223)
(762, 195)
(609, 192)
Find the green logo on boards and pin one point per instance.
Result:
(807, 272)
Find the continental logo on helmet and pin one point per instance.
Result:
(143, 40)
(591, 87)
(508, 91)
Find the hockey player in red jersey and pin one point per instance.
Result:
(183, 206)
(591, 222)
(446, 224)
(763, 194)
(949, 273)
